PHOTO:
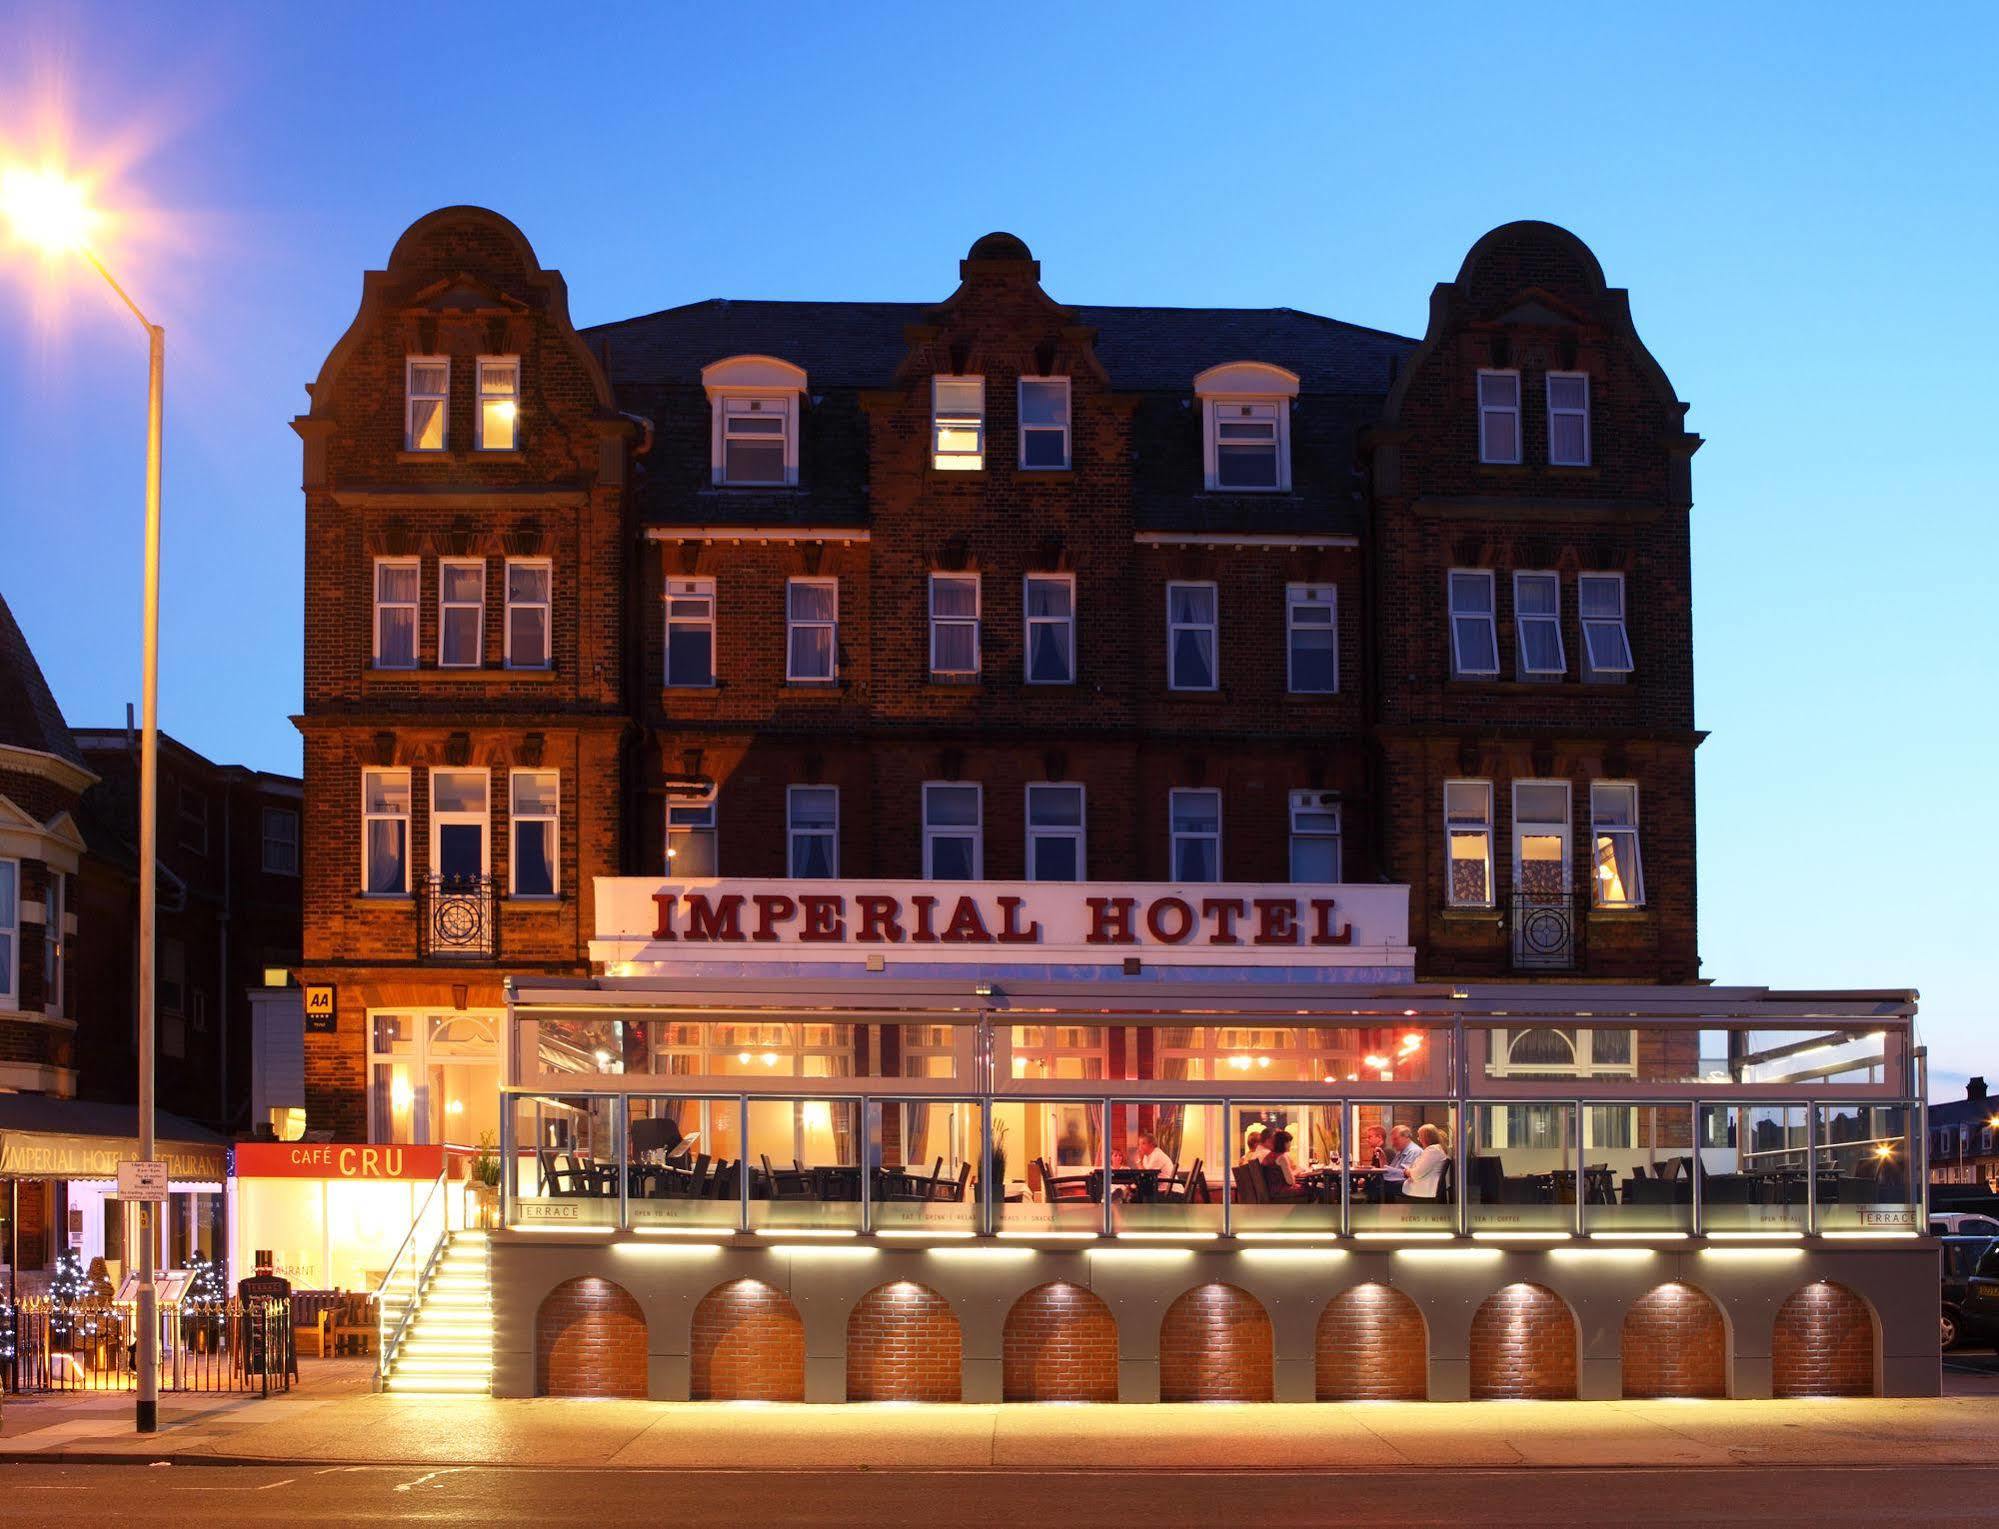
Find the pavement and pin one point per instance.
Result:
(335, 1421)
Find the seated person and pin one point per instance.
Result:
(1148, 1154)
(1402, 1151)
(1280, 1179)
(1373, 1149)
(1251, 1140)
(1425, 1174)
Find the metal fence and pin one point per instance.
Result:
(240, 1346)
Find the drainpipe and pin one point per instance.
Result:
(223, 1116)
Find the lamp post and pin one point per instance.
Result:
(53, 213)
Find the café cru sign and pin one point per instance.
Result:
(640, 920)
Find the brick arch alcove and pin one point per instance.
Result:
(1523, 1346)
(747, 1345)
(903, 1345)
(1675, 1343)
(1215, 1345)
(1059, 1345)
(1372, 1346)
(589, 1340)
(1823, 1343)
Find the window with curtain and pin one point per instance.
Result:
(1054, 832)
(1537, 620)
(1606, 644)
(1468, 842)
(1474, 628)
(812, 623)
(536, 796)
(954, 624)
(1499, 416)
(385, 832)
(1044, 422)
(427, 402)
(958, 423)
(1196, 816)
(10, 929)
(461, 613)
(396, 581)
(953, 832)
(1051, 629)
(812, 815)
(1613, 810)
(1568, 419)
(499, 402)
(1191, 636)
(529, 581)
(1541, 839)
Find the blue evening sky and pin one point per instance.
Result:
(1800, 198)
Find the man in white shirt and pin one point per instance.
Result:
(1402, 1152)
(1147, 1154)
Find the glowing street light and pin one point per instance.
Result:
(47, 210)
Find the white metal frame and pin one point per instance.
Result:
(1486, 411)
(1523, 619)
(792, 831)
(512, 366)
(1212, 626)
(552, 817)
(1600, 831)
(1319, 802)
(1612, 628)
(1061, 384)
(414, 605)
(1541, 828)
(938, 623)
(1455, 824)
(1313, 598)
(1487, 618)
(976, 829)
(10, 967)
(368, 818)
(1068, 623)
(707, 805)
(411, 398)
(1079, 834)
(546, 605)
(793, 624)
(439, 820)
(957, 459)
(741, 404)
(1579, 413)
(1174, 835)
(445, 606)
(677, 592)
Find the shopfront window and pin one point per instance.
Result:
(1521, 1172)
(1048, 1052)
(565, 1161)
(1166, 1162)
(434, 1078)
(1054, 1151)
(1865, 1172)
(1400, 1170)
(1296, 1053)
(1638, 1167)
(922, 1164)
(685, 1161)
(805, 1164)
(1752, 1164)
(1284, 1164)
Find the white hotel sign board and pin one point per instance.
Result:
(649, 923)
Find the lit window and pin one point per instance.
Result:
(756, 440)
(528, 613)
(1196, 824)
(1468, 842)
(1537, 622)
(691, 848)
(690, 632)
(812, 819)
(1191, 636)
(280, 841)
(1474, 631)
(460, 817)
(954, 623)
(1568, 419)
(385, 832)
(1613, 811)
(1606, 644)
(1541, 840)
(52, 938)
(427, 401)
(1315, 836)
(461, 614)
(1051, 629)
(1312, 638)
(1055, 832)
(396, 581)
(958, 423)
(1044, 422)
(953, 832)
(812, 626)
(1499, 416)
(193, 821)
(10, 929)
(533, 811)
(499, 402)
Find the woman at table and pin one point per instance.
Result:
(1426, 1169)
(1280, 1178)
(1251, 1140)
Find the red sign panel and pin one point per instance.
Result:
(337, 1160)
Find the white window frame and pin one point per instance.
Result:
(404, 817)
(513, 395)
(708, 801)
(793, 623)
(1523, 619)
(413, 605)
(1486, 410)
(441, 820)
(1524, 828)
(1079, 834)
(766, 403)
(10, 959)
(1217, 411)
(958, 419)
(1020, 415)
(1597, 832)
(267, 841)
(1312, 597)
(1554, 413)
(976, 829)
(937, 623)
(1462, 823)
(792, 832)
(690, 589)
(545, 606)
(1031, 621)
(444, 565)
(1606, 627)
(1212, 626)
(53, 904)
(1318, 802)
(411, 398)
(552, 817)
(1489, 618)
(1174, 835)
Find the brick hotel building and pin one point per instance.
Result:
(729, 695)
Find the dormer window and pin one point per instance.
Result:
(1246, 426)
(754, 401)
(958, 423)
(426, 402)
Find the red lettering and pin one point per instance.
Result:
(1182, 912)
(823, 922)
(773, 908)
(880, 919)
(1224, 911)
(1110, 921)
(926, 907)
(664, 901)
(721, 919)
(1010, 931)
(1276, 921)
(967, 926)
(1322, 927)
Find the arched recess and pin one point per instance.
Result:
(1215, 1345)
(1675, 1343)
(1523, 1346)
(903, 1345)
(1372, 1346)
(1059, 1345)
(589, 1340)
(1823, 1343)
(747, 1345)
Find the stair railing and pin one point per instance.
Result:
(420, 1251)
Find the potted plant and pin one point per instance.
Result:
(996, 1167)
(482, 1182)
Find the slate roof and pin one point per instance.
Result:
(29, 716)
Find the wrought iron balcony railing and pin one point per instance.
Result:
(457, 918)
(1547, 931)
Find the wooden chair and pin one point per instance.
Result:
(1250, 1188)
(1075, 1190)
(311, 1332)
(944, 1189)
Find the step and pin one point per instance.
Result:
(467, 1385)
(417, 1350)
(411, 1369)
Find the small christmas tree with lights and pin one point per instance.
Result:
(68, 1290)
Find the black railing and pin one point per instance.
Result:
(240, 1346)
(457, 918)
(1547, 932)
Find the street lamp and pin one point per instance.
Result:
(53, 213)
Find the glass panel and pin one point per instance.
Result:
(427, 424)
(753, 461)
(388, 854)
(951, 806)
(464, 582)
(960, 395)
(1502, 437)
(1313, 668)
(428, 378)
(1044, 403)
(1499, 389)
(534, 791)
(1055, 858)
(1521, 1171)
(951, 857)
(1865, 1182)
(954, 597)
(585, 1046)
(1477, 645)
(1638, 1167)
(1192, 602)
(684, 1155)
(955, 648)
(922, 1157)
(565, 1169)
(1566, 392)
(1471, 594)
(1166, 1165)
(1246, 466)
(690, 654)
(1752, 1164)
(1042, 1052)
(1049, 597)
(534, 857)
(1541, 802)
(813, 602)
(1401, 1170)
(398, 639)
(1054, 1152)
(1539, 595)
(458, 790)
(1689, 1053)
(387, 791)
(812, 652)
(805, 1163)
(459, 642)
(1044, 448)
(1194, 658)
(1565, 438)
(1600, 596)
(1048, 652)
(527, 582)
(1055, 806)
(1284, 1167)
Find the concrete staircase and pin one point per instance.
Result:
(447, 1348)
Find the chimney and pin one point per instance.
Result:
(1974, 1089)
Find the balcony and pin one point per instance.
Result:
(1548, 931)
(457, 918)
